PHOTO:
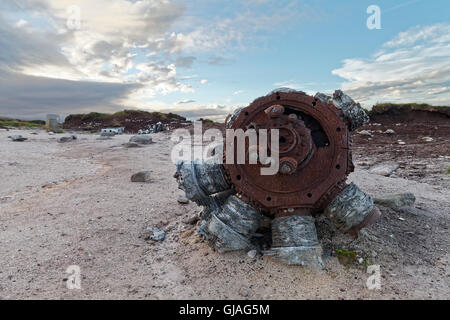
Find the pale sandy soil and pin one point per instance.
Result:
(73, 204)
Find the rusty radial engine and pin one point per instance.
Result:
(314, 159)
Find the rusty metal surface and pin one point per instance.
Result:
(314, 151)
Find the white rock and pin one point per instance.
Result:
(365, 133)
(252, 254)
(384, 169)
(389, 131)
(183, 200)
(428, 139)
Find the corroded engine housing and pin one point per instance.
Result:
(314, 152)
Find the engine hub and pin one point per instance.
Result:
(314, 150)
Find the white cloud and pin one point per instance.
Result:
(413, 67)
(133, 46)
(21, 23)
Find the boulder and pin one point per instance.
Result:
(396, 201)
(142, 176)
(141, 139)
(17, 138)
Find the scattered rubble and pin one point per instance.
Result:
(396, 201)
(142, 176)
(107, 134)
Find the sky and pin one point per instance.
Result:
(204, 58)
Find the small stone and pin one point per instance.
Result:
(252, 254)
(156, 234)
(141, 139)
(183, 200)
(400, 142)
(384, 169)
(360, 260)
(428, 139)
(142, 176)
(396, 201)
(187, 233)
(67, 139)
(243, 292)
(389, 131)
(365, 133)
(191, 220)
(131, 145)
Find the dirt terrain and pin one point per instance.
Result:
(74, 204)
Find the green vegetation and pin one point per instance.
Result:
(351, 258)
(346, 257)
(206, 120)
(17, 123)
(448, 170)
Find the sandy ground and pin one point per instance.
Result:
(74, 204)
